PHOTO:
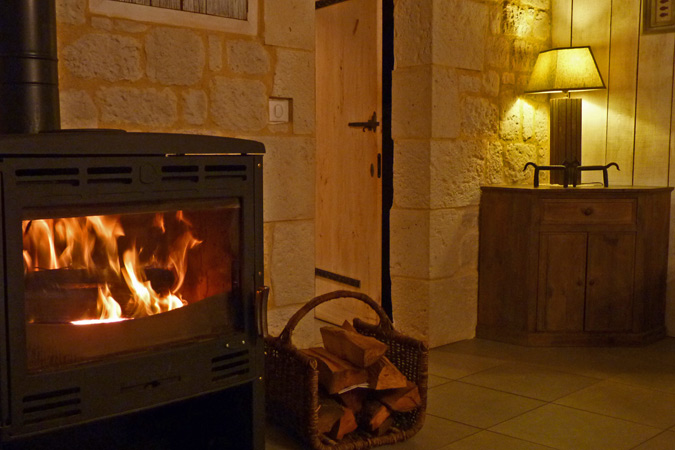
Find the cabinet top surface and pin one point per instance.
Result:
(559, 189)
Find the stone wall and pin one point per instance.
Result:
(143, 76)
(460, 120)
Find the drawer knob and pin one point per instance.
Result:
(587, 211)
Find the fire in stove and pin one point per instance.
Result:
(103, 269)
(92, 250)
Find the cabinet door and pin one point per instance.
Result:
(562, 279)
(609, 294)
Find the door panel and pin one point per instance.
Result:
(348, 182)
(562, 281)
(609, 296)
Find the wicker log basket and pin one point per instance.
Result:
(292, 381)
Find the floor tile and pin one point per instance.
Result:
(664, 441)
(277, 439)
(571, 429)
(628, 402)
(487, 440)
(476, 406)
(435, 380)
(455, 365)
(653, 375)
(435, 433)
(530, 381)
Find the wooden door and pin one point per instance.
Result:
(348, 166)
(562, 281)
(609, 291)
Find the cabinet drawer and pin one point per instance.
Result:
(614, 211)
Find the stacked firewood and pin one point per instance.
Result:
(360, 387)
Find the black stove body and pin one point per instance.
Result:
(187, 377)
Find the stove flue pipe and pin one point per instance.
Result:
(29, 95)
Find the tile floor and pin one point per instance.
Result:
(486, 395)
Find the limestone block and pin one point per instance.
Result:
(294, 78)
(412, 102)
(480, 117)
(425, 102)
(129, 26)
(215, 53)
(409, 246)
(412, 165)
(471, 84)
(496, 16)
(247, 57)
(498, 52)
(107, 56)
(410, 305)
(445, 104)
(306, 333)
(541, 28)
(195, 106)
(508, 78)
(494, 164)
(509, 117)
(292, 262)
(540, 4)
(102, 23)
(174, 56)
(120, 105)
(541, 122)
(289, 178)
(71, 11)
(515, 158)
(527, 111)
(77, 110)
(453, 308)
(491, 83)
(456, 172)
(413, 32)
(290, 23)
(460, 28)
(453, 238)
(516, 20)
(524, 54)
(238, 104)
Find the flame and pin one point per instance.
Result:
(92, 243)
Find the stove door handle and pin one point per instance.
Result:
(261, 296)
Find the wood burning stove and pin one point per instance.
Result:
(155, 240)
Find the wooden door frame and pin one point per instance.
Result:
(387, 141)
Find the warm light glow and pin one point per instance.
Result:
(92, 245)
(563, 70)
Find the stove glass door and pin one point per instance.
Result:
(103, 285)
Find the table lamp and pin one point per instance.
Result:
(564, 70)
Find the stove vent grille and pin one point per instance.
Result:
(230, 366)
(51, 405)
(116, 175)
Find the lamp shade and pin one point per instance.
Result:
(563, 70)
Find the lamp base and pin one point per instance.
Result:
(565, 140)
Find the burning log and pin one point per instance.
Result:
(53, 344)
(66, 295)
(335, 374)
(360, 350)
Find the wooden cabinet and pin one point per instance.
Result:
(576, 266)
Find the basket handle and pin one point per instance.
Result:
(385, 322)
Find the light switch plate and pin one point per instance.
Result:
(279, 110)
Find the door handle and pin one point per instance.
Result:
(371, 125)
